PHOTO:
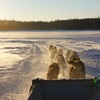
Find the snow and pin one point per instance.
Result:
(24, 56)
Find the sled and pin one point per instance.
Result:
(65, 89)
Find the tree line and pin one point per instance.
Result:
(71, 24)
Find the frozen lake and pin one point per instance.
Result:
(24, 55)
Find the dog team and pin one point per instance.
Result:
(71, 61)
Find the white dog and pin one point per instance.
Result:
(60, 51)
(61, 62)
(50, 47)
(68, 53)
(53, 54)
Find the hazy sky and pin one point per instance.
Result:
(47, 10)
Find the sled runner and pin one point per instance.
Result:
(84, 89)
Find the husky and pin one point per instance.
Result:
(53, 54)
(76, 68)
(60, 51)
(53, 71)
(61, 62)
(51, 47)
(74, 55)
(68, 53)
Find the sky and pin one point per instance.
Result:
(48, 10)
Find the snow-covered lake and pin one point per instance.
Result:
(24, 55)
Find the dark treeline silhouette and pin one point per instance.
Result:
(71, 24)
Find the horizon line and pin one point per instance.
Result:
(46, 20)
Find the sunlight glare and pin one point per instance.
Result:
(2, 10)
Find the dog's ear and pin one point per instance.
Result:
(70, 61)
(76, 58)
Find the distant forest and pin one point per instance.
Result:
(71, 24)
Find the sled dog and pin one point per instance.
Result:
(53, 54)
(61, 62)
(68, 53)
(50, 47)
(76, 68)
(53, 71)
(60, 51)
(74, 55)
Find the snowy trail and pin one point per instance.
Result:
(35, 65)
(30, 69)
